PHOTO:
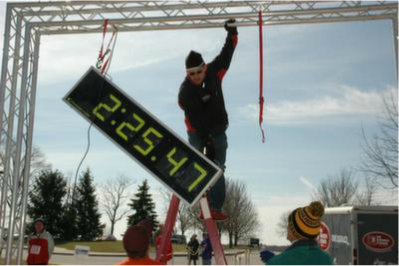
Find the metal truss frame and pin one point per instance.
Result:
(27, 22)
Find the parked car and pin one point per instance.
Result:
(179, 239)
(110, 238)
(106, 238)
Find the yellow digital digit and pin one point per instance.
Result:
(151, 146)
(106, 107)
(130, 127)
(199, 179)
(176, 165)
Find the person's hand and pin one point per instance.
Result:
(266, 255)
(229, 26)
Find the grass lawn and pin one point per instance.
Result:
(13, 261)
(117, 246)
(107, 246)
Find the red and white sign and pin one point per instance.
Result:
(378, 241)
(324, 238)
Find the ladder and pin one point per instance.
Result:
(209, 223)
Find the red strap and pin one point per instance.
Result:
(101, 64)
(261, 100)
(101, 55)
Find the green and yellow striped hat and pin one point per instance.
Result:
(304, 223)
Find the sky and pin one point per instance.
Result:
(322, 84)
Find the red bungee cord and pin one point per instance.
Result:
(101, 64)
(261, 99)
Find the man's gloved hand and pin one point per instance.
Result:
(266, 255)
(230, 28)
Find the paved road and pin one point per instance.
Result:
(178, 259)
(62, 257)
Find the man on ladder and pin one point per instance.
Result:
(201, 98)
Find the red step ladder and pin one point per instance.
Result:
(209, 223)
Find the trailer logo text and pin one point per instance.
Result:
(324, 238)
(378, 241)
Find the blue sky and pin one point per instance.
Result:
(322, 84)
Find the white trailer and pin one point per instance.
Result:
(362, 235)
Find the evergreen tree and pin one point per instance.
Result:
(69, 225)
(88, 215)
(46, 199)
(143, 207)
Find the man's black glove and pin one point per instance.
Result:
(230, 28)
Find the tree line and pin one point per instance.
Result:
(68, 215)
(74, 213)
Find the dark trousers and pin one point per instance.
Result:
(217, 193)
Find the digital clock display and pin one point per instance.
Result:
(170, 159)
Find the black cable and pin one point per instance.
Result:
(91, 123)
(82, 160)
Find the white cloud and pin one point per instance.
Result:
(346, 102)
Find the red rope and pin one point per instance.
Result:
(261, 99)
(101, 64)
(105, 26)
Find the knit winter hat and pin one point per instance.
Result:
(193, 60)
(136, 239)
(40, 219)
(304, 223)
(147, 224)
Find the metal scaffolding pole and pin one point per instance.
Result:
(26, 22)
(395, 41)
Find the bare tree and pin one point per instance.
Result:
(337, 191)
(282, 224)
(243, 221)
(37, 165)
(185, 216)
(366, 197)
(114, 197)
(381, 151)
(38, 162)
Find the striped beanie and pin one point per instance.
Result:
(304, 223)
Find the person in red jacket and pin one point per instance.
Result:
(201, 98)
(41, 245)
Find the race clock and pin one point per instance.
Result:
(141, 135)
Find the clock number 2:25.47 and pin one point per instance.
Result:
(128, 129)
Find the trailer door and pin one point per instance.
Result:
(377, 238)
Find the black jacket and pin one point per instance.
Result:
(193, 249)
(204, 108)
